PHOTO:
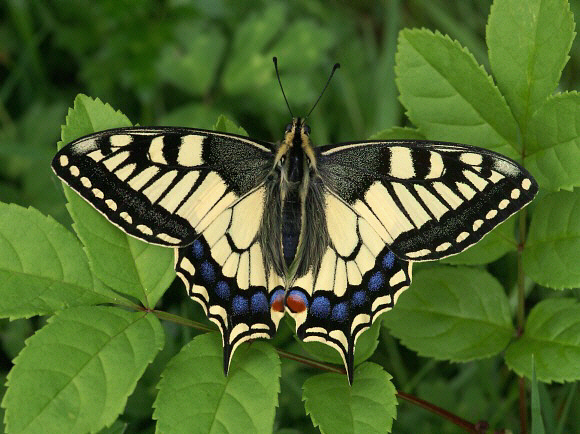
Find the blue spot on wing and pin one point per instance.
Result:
(239, 305)
(320, 307)
(340, 312)
(197, 249)
(389, 260)
(222, 289)
(376, 281)
(359, 298)
(259, 303)
(207, 272)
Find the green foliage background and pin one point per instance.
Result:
(456, 339)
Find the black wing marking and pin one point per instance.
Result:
(357, 279)
(224, 270)
(426, 200)
(160, 184)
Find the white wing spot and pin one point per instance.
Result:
(63, 160)
(515, 193)
(491, 214)
(418, 253)
(168, 238)
(74, 171)
(145, 229)
(111, 204)
(85, 182)
(98, 193)
(121, 140)
(477, 224)
(442, 247)
(526, 184)
(471, 158)
(126, 217)
(462, 236)
(503, 204)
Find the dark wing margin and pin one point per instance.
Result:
(159, 184)
(426, 200)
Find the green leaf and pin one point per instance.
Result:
(528, 47)
(76, 373)
(456, 314)
(537, 422)
(365, 347)
(553, 142)
(396, 133)
(195, 396)
(369, 406)
(226, 125)
(492, 247)
(449, 96)
(552, 338)
(553, 245)
(122, 262)
(42, 266)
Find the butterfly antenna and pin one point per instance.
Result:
(275, 59)
(334, 68)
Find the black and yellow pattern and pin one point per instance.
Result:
(326, 234)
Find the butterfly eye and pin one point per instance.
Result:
(288, 128)
(306, 129)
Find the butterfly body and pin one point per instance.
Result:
(327, 234)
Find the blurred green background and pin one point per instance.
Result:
(183, 63)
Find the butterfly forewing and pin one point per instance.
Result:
(426, 200)
(159, 184)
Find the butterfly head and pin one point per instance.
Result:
(296, 149)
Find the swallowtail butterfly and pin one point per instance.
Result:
(327, 234)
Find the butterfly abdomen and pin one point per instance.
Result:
(291, 225)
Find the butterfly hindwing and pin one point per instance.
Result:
(427, 200)
(358, 278)
(224, 270)
(160, 184)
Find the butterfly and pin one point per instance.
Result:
(326, 234)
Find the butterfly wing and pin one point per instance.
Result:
(426, 200)
(385, 204)
(224, 270)
(199, 189)
(357, 279)
(160, 184)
